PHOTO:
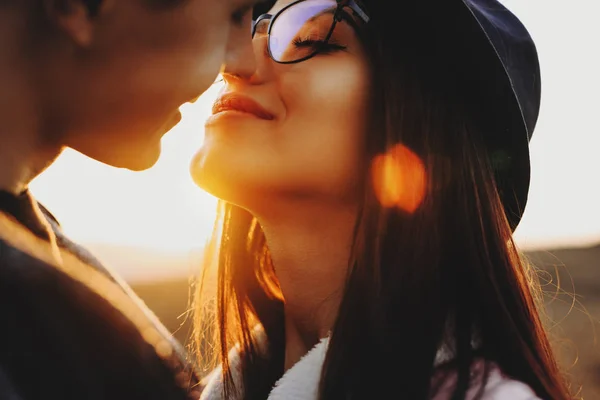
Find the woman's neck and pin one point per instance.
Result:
(310, 253)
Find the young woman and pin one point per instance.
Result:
(373, 162)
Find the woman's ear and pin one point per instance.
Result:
(73, 18)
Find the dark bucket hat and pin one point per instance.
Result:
(515, 92)
(484, 53)
(494, 58)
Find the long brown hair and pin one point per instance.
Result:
(447, 274)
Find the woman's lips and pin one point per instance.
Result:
(240, 103)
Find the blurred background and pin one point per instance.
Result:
(151, 226)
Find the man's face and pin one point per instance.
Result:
(114, 98)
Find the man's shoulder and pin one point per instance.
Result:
(86, 257)
(68, 330)
(60, 338)
(78, 250)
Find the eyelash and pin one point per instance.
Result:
(324, 48)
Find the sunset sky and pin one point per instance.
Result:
(162, 209)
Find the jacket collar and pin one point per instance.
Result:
(300, 382)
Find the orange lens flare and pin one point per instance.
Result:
(400, 179)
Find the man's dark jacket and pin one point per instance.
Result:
(69, 328)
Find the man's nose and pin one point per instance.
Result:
(240, 59)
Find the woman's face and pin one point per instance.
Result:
(283, 132)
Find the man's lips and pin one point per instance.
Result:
(237, 102)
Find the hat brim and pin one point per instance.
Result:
(511, 57)
(495, 62)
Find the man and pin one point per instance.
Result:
(106, 78)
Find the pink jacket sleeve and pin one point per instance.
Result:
(497, 387)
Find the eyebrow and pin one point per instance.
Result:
(347, 17)
(325, 12)
(345, 14)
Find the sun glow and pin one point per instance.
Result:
(162, 209)
(400, 179)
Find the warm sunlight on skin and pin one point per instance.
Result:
(399, 179)
(162, 210)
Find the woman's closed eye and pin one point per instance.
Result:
(318, 44)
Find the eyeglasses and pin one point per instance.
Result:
(303, 28)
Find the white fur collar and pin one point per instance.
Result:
(301, 382)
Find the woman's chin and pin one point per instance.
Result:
(213, 177)
(198, 171)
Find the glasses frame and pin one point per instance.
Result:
(338, 15)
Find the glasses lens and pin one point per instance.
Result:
(300, 30)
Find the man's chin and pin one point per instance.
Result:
(139, 160)
(138, 167)
(134, 149)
